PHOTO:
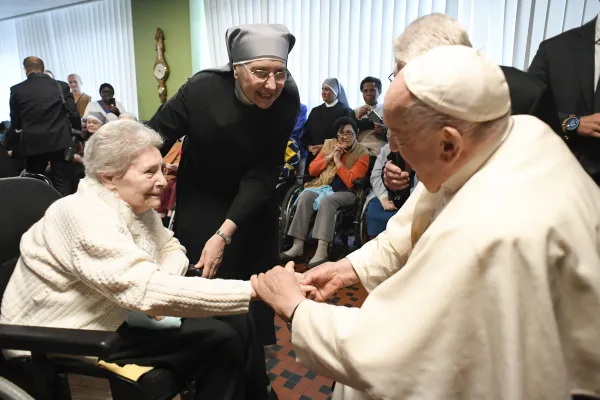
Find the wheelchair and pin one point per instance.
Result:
(39, 375)
(349, 222)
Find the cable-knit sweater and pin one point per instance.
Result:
(90, 259)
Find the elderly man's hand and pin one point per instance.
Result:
(279, 288)
(328, 278)
(394, 178)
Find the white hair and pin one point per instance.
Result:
(114, 146)
(128, 116)
(426, 33)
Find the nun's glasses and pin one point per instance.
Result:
(263, 76)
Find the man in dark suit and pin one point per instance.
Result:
(566, 64)
(38, 112)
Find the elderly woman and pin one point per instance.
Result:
(339, 163)
(107, 105)
(319, 125)
(81, 99)
(104, 251)
(234, 145)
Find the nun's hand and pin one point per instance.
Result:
(211, 256)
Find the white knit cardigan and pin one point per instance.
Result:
(90, 259)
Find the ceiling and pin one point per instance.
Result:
(15, 8)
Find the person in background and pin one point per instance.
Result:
(49, 73)
(340, 162)
(371, 134)
(227, 212)
(381, 208)
(319, 125)
(168, 198)
(480, 287)
(81, 99)
(107, 105)
(37, 110)
(569, 64)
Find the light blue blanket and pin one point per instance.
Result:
(137, 319)
(321, 192)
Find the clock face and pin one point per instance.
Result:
(160, 70)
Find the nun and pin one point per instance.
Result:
(319, 126)
(238, 119)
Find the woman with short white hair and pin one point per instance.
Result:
(103, 251)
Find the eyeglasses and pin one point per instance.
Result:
(263, 76)
(391, 77)
(345, 134)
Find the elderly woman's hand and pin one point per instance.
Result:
(211, 256)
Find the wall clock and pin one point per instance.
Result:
(161, 69)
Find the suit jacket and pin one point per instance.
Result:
(565, 63)
(531, 97)
(497, 299)
(36, 108)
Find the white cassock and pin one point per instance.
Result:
(498, 299)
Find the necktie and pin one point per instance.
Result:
(425, 210)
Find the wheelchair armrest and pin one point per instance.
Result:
(305, 178)
(76, 342)
(360, 183)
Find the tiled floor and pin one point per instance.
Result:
(291, 380)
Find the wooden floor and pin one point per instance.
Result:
(291, 380)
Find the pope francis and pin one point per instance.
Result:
(486, 284)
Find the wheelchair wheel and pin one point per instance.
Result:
(360, 225)
(286, 214)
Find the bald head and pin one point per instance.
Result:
(33, 64)
(426, 33)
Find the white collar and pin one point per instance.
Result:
(597, 28)
(145, 228)
(333, 103)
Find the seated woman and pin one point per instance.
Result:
(339, 163)
(103, 251)
(381, 209)
(319, 125)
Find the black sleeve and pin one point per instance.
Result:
(258, 184)
(545, 109)
(15, 112)
(539, 66)
(72, 111)
(539, 69)
(171, 119)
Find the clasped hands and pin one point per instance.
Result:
(283, 289)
